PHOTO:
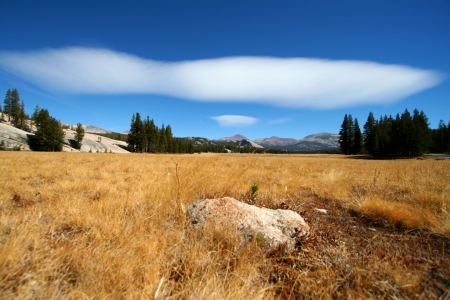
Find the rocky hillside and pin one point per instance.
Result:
(249, 143)
(13, 137)
(235, 138)
(17, 138)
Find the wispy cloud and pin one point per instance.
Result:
(278, 121)
(234, 120)
(290, 82)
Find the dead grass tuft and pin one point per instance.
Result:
(399, 214)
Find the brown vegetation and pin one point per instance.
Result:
(80, 225)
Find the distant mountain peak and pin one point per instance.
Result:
(236, 138)
(275, 141)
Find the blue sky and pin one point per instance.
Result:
(217, 68)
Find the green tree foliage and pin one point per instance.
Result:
(145, 136)
(15, 111)
(357, 139)
(49, 135)
(79, 135)
(441, 138)
(350, 137)
(344, 136)
(7, 108)
(404, 136)
(131, 139)
(34, 116)
(15, 108)
(137, 137)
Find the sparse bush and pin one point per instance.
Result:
(254, 191)
(260, 239)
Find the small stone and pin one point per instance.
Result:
(321, 210)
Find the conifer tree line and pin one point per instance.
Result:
(441, 138)
(350, 137)
(405, 135)
(145, 136)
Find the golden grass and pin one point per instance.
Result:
(111, 226)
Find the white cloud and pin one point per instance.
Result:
(290, 82)
(278, 121)
(234, 120)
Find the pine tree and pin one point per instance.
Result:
(22, 116)
(440, 140)
(422, 133)
(137, 138)
(49, 135)
(79, 135)
(369, 135)
(162, 140)
(15, 107)
(344, 136)
(169, 138)
(34, 116)
(407, 134)
(351, 135)
(7, 108)
(141, 138)
(357, 139)
(131, 139)
(152, 136)
(347, 136)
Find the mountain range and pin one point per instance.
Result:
(319, 141)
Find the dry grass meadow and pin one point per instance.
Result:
(112, 226)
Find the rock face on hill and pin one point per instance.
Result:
(249, 143)
(95, 143)
(270, 228)
(235, 138)
(14, 137)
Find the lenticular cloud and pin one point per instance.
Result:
(234, 120)
(290, 82)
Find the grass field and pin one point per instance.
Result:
(112, 226)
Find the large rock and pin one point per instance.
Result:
(269, 228)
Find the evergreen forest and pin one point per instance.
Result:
(406, 135)
(145, 136)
